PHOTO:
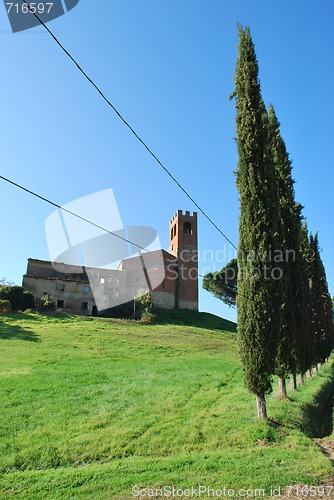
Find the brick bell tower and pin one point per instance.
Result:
(183, 244)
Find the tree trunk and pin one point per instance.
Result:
(282, 387)
(261, 406)
(310, 372)
(316, 368)
(293, 381)
(301, 378)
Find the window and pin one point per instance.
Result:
(84, 306)
(61, 287)
(60, 304)
(187, 228)
(102, 281)
(86, 289)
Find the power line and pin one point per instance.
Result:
(56, 205)
(129, 127)
(70, 212)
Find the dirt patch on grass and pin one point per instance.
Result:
(327, 447)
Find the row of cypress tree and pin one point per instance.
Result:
(285, 319)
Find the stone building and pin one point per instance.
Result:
(171, 277)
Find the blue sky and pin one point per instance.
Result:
(168, 67)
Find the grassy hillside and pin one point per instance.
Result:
(92, 407)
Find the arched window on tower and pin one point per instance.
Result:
(187, 228)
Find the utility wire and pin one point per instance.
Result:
(56, 205)
(129, 127)
(70, 212)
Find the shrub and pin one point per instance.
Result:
(28, 311)
(18, 298)
(28, 301)
(5, 307)
(148, 317)
(144, 308)
(144, 300)
(47, 303)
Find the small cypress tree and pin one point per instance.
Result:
(259, 293)
(305, 347)
(321, 305)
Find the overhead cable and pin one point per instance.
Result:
(126, 123)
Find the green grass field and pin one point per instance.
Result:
(92, 407)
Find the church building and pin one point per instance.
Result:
(170, 277)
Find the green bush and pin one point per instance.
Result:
(144, 306)
(144, 300)
(5, 307)
(18, 298)
(148, 317)
(29, 311)
(47, 303)
(28, 301)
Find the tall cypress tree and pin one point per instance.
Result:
(259, 293)
(294, 320)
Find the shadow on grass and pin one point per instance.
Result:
(11, 332)
(318, 415)
(193, 318)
